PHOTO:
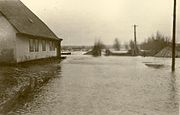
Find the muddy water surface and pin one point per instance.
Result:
(107, 86)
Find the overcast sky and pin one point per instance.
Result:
(81, 22)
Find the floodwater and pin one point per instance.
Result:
(89, 85)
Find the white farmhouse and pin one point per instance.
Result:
(23, 36)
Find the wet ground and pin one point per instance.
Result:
(85, 85)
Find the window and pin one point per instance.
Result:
(54, 46)
(50, 45)
(31, 45)
(36, 45)
(30, 20)
(43, 45)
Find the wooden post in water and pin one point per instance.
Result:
(174, 37)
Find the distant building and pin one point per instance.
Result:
(167, 52)
(23, 36)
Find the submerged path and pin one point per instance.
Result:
(107, 86)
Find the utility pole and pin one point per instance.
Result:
(135, 42)
(174, 38)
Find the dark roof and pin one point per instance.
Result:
(23, 20)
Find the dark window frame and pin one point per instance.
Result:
(54, 46)
(31, 45)
(50, 45)
(43, 45)
(36, 42)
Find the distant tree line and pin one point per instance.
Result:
(149, 47)
(75, 48)
(155, 43)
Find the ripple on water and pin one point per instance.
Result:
(107, 86)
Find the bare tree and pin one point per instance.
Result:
(131, 44)
(155, 43)
(117, 44)
(98, 46)
(126, 46)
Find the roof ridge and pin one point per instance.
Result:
(37, 17)
(23, 19)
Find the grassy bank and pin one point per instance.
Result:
(19, 81)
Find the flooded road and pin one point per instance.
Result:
(107, 86)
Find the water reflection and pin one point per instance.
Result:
(173, 91)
